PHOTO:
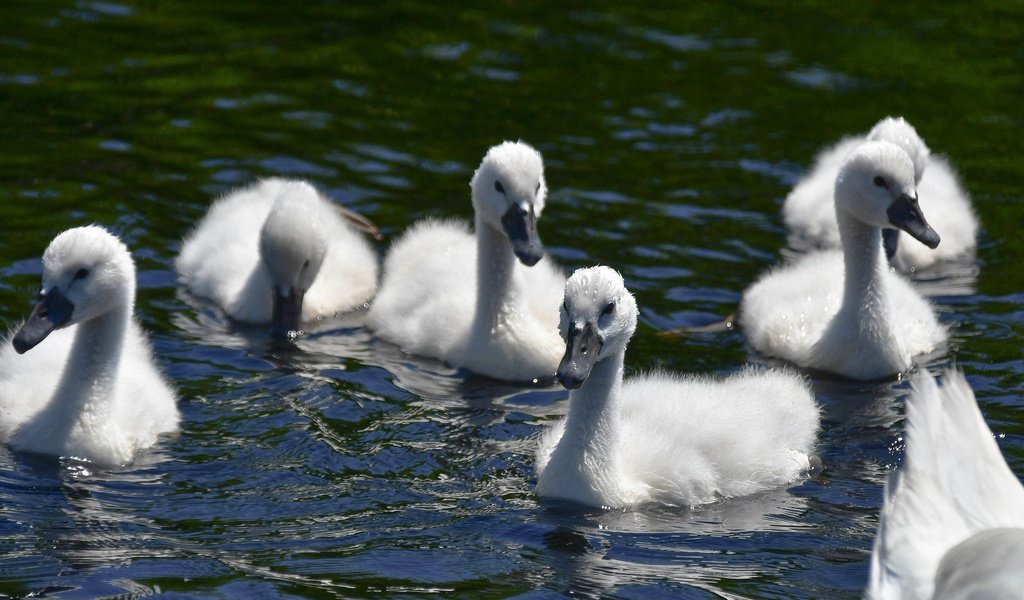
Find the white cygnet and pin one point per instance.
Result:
(78, 377)
(487, 300)
(680, 440)
(278, 252)
(846, 312)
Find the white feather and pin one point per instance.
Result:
(946, 511)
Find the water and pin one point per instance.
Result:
(339, 467)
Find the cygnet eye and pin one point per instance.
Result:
(537, 191)
(608, 310)
(305, 265)
(81, 274)
(565, 306)
(498, 187)
(880, 181)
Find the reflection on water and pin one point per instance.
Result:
(79, 518)
(604, 551)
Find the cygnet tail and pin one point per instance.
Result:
(954, 482)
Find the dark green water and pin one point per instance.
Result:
(342, 468)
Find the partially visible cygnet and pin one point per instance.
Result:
(952, 522)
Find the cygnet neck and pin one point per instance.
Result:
(495, 292)
(864, 284)
(89, 382)
(592, 425)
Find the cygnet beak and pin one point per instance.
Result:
(287, 314)
(581, 350)
(52, 311)
(906, 214)
(520, 225)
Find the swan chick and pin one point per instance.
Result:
(952, 521)
(485, 300)
(846, 312)
(680, 440)
(278, 252)
(78, 378)
(808, 209)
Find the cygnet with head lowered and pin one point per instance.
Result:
(680, 440)
(78, 378)
(846, 312)
(483, 300)
(278, 252)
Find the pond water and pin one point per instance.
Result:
(337, 466)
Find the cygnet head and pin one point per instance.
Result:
(508, 195)
(597, 319)
(876, 186)
(897, 130)
(292, 246)
(87, 272)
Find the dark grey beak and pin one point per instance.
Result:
(521, 229)
(287, 311)
(906, 214)
(581, 350)
(52, 311)
(890, 241)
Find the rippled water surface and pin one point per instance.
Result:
(337, 466)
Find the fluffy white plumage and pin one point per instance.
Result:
(847, 312)
(670, 439)
(281, 234)
(808, 209)
(952, 523)
(90, 390)
(463, 297)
